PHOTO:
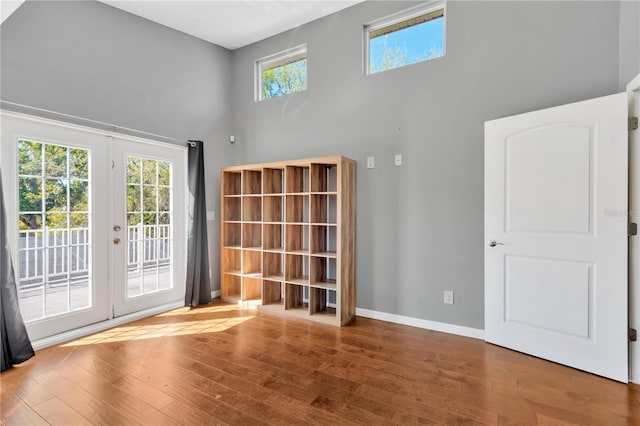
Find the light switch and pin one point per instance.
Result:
(371, 162)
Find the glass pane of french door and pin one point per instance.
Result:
(55, 241)
(149, 232)
(149, 226)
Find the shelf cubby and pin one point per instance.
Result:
(320, 301)
(252, 263)
(297, 209)
(273, 266)
(297, 179)
(273, 237)
(296, 269)
(232, 183)
(252, 235)
(252, 208)
(251, 182)
(272, 292)
(230, 286)
(251, 289)
(323, 272)
(231, 261)
(231, 209)
(324, 178)
(287, 236)
(231, 234)
(273, 208)
(324, 240)
(273, 180)
(324, 208)
(294, 298)
(297, 239)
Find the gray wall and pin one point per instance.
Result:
(629, 47)
(420, 226)
(91, 60)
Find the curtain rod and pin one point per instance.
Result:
(80, 120)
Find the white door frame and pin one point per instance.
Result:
(633, 91)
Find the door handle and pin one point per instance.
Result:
(493, 243)
(116, 228)
(116, 241)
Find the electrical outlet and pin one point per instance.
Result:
(448, 297)
(371, 162)
(398, 160)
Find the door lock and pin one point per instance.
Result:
(117, 228)
(116, 241)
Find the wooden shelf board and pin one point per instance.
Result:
(234, 272)
(232, 195)
(324, 254)
(297, 223)
(298, 252)
(297, 193)
(273, 223)
(274, 250)
(253, 275)
(302, 313)
(303, 280)
(232, 247)
(234, 298)
(255, 248)
(252, 222)
(274, 278)
(273, 194)
(327, 285)
(232, 221)
(331, 312)
(323, 224)
(324, 193)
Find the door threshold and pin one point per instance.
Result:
(103, 325)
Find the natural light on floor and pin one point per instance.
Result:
(152, 331)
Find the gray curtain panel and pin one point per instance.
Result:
(16, 347)
(198, 289)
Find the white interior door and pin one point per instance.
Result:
(556, 206)
(149, 225)
(55, 182)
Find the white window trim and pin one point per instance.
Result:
(275, 60)
(397, 17)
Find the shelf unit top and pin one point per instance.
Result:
(281, 164)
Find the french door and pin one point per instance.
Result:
(149, 228)
(92, 237)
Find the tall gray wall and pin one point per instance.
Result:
(420, 226)
(91, 60)
(629, 47)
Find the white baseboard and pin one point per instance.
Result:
(422, 323)
(215, 294)
(104, 325)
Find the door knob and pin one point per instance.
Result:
(493, 243)
(116, 241)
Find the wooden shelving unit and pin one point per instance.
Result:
(288, 237)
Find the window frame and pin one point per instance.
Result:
(275, 60)
(398, 17)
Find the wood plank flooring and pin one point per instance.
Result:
(222, 364)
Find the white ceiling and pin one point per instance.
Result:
(232, 23)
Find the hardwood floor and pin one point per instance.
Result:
(222, 364)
